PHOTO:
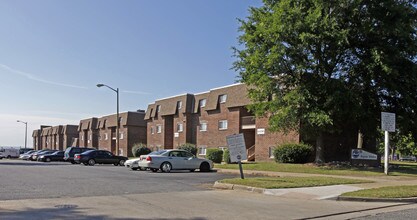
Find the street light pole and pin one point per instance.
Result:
(26, 132)
(117, 115)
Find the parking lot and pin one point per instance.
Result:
(29, 180)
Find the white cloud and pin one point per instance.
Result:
(35, 78)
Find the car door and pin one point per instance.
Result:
(190, 161)
(176, 160)
(100, 157)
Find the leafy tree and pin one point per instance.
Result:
(324, 64)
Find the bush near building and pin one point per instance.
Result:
(226, 156)
(215, 155)
(140, 149)
(292, 153)
(189, 147)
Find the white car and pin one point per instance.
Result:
(168, 160)
(134, 163)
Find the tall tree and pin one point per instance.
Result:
(323, 64)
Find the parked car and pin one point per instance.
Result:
(175, 160)
(25, 150)
(408, 158)
(71, 151)
(26, 155)
(9, 152)
(55, 156)
(93, 157)
(134, 163)
(35, 156)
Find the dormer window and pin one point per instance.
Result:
(179, 104)
(158, 108)
(203, 102)
(222, 98)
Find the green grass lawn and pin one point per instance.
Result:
(290, 182)
(404, 169)
(386, 192)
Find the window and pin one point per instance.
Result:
(179, 127)
(203, 126)
(203, 102)
(222, 124)
(90, 137)
(152, 130)
(179, 104)
(82, 137)
(222, 98)
(271, 152)
(106, 137)
(120, 120)
(158, 108)
(158, 129)
(202, 150)
(121, 135)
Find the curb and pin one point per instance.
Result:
(227, 186)
(367, 199)
(249, 172)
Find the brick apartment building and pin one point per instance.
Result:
(132, 130)
(170, 122)
(56, 138)
(214, 115)
(88, 133)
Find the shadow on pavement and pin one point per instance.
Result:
(31, 163)
(65, 212)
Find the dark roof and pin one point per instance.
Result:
(169, 106)
(36, 133)
(237, 95)
(88, 124)
(128, 119)
(57, 129)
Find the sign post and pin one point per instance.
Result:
(237, 149)
(387, 125)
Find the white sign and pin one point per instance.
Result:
(176, 134)
(363, 155)
(388, 121)
(237, 147)
(260, 131)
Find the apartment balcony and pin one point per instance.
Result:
(248, 122)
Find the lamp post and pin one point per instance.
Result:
(117, 115)
(26, 132)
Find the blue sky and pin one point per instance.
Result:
(54, 52)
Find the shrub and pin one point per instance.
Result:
(292, 153)
(226, 156)
(189, 147)
(140, 149)
(215, 155)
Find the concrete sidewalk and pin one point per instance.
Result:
(315, 193)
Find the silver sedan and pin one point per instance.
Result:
(175, 160)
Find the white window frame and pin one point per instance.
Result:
(90, 137)
(180, 127)
(222, 125)
(152, 130)
(202, 150)
(222, 98)
(106, 136)
(201, 126)
(82, 137)
(121, 135)
(179, 104)
(202, 103)
(158, 108)
(158, 129)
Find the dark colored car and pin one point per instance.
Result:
(25, 150)
(55, 156)
(93, 157)
(71, 151)
(35, 156)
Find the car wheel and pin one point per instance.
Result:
(154, 170)
(166, 167)
(204, 167)
(91, 162)
(72, 162)
(121, 162)
(192, 170)
(48, 159)
(116, 164)
(8, 157)
(134, 168)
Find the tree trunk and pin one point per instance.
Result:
(319, 149)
